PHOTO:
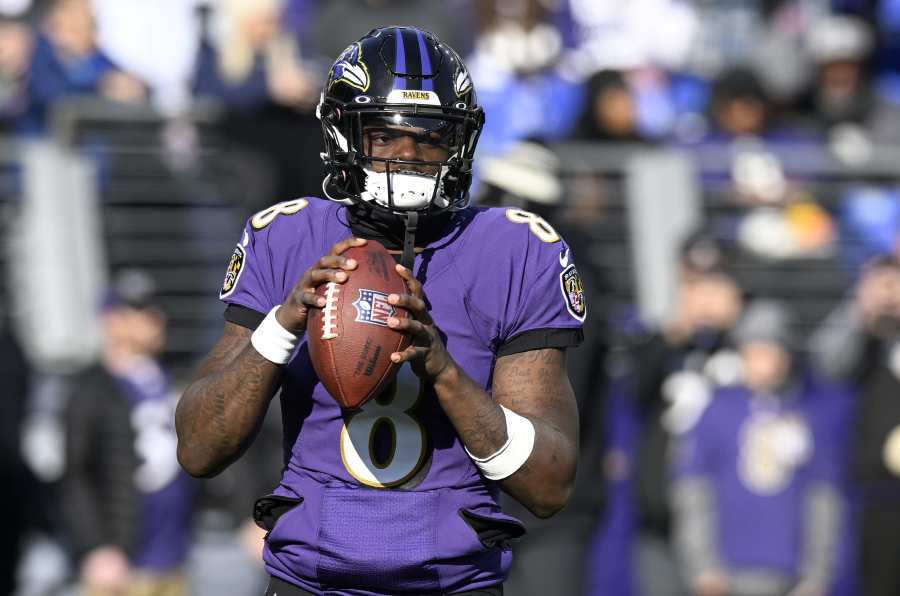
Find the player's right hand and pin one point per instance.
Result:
(294, 310)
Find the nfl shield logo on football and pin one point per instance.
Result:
(372, 307)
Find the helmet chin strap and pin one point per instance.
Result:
(409, 240)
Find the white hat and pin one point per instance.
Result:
(528, 170)
(839, 38)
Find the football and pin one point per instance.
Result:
(350, 343)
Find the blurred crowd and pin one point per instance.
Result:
(727, 450)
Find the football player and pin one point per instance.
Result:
(399, 496)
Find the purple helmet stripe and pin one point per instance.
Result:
(399, 60)
(427, 84)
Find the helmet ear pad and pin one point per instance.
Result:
(457, 179)
(343, 177)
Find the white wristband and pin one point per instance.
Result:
(272, 341)
(514, 453)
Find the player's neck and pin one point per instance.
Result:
(388, 228)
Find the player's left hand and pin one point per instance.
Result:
(427, 354)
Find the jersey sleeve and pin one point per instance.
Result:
(691, 452)
(249, 282)
(276, 246)
(544, 302)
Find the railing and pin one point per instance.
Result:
(812, 283)
(171, 198)
(168, 197)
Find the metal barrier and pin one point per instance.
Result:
(168, 197)
(171, 198)
(652, 196)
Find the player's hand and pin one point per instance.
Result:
(427, 354)
(712, 582)
(106, 569)
(294, 310)
(877, 296)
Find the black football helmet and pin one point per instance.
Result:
(399, 81)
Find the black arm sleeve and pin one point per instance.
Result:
(81, 512)
(536, 339)
(243, 316)
(99, 499)
(651, 359)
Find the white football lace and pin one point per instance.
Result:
(329, 311)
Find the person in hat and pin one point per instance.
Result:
(125, 501)
(859, 343)
(676, 370)
(756, 503)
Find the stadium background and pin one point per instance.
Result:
(142, 133)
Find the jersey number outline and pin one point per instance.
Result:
(155, 444)
(537, 224)
(263, 218)
(408, 440)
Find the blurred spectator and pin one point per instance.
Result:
(550, 559)
(860, 343)
(756, 499)
(18, 483)
(16, 45)
(615, 35)
(740, 106)
(841, 93)
(610, 113)
(727, 33)
(676, 371)
(254, 68)
(843, 98)
(126, 502)
(68, 62)
(254, 63)
(885, 16)
(127, 29)
(516, 68)
(782, 220)
(646, 40)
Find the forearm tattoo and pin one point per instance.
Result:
(222, 409)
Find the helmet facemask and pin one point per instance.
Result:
(399, 157)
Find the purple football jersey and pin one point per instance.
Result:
(386, 489)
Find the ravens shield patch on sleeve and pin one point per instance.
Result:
(573, 292)
(233, 273)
